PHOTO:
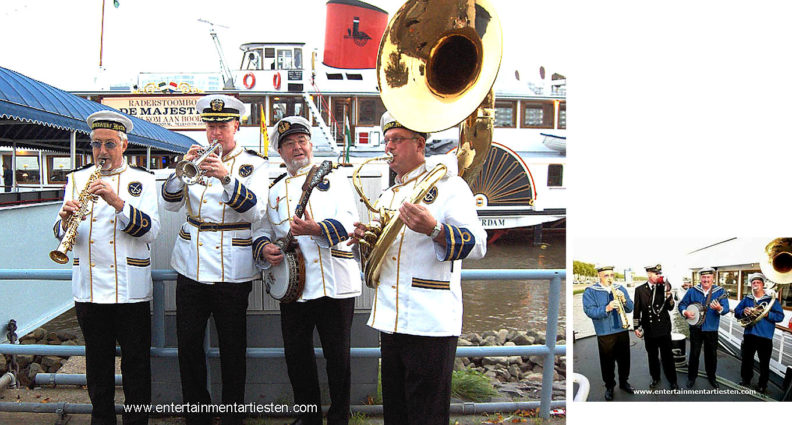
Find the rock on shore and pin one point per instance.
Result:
(30, 365)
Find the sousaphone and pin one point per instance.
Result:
(437, 63)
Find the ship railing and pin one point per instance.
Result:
(548, 350)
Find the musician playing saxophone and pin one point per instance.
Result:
(613, 340)
(418, 303)
(705, 294)
(332, 276)
(213, 254)
(111, 272)
(758, 338)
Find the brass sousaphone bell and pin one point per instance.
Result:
(437, 63)
(776, 265)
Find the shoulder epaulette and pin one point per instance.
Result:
(277, 179)
(82, 168)
(258, 154)
(142, 168)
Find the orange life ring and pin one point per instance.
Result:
(249, 80)
(276, 81)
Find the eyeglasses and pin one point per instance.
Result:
(95, 144)
(397, 140)
(293, 142)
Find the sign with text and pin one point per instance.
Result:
(171, 112)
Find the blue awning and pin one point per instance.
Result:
(36, 115)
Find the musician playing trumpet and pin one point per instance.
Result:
(758, 338)
(607, 306)
(705, 334)
(213, 254)
(332, 276)
(653, 301)
(111, 273)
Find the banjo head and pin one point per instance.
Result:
(286, 281)
(276, 280)
(698, 314)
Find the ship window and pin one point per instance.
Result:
(252, 115)
(537, 115)
(27, 170)
(555, 175)
(58, 167)
(354, 76)
(284, 59)
(335, 76)
(728, 280)
(505, 114)
(370, 109)
(298, 58)
(562, 115)
(285, 106)
(269, 52)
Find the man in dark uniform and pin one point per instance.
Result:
(652, 322)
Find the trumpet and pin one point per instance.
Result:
(190, 172)
(85, 199)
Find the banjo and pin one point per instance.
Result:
(699, 311)
(285, 282)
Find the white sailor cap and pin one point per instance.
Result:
(290, 125)
(388, 122)
(706, 270)
(110, 120)
(601, 268)
(754, 276)
(219, 108)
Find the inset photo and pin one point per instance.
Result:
(686, 319)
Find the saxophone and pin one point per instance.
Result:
(85, 199)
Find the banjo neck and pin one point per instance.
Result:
(314, 177)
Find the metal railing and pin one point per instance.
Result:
(548, 350)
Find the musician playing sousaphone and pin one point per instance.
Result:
(758, 337)
(332, 276)
(716, 304)
(607, 307)
(652, 322)
(418, 302)
(111, 273)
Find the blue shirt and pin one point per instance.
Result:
(766, 326)
(595, 299)
(712, 317)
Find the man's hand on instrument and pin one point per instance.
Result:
(213, 167)
(192, 153)
(364, 233)
(272, 254)
(104, 190)
(613, 305)
(620, 294)
(69, 208)
(306, 226)
(417, 218)
(715, 305)
(687, 314)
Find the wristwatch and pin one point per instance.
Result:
(226, 179)
(435, 231)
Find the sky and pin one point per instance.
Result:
(166, 36)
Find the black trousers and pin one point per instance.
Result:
(614, 349)
(416, 378)
(660, 345)
(710, 341)
(227, 303)
(753, 344)
(332, 318)
(102, 325)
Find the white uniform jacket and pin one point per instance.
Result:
(330, 266)
(112, 256)
(419, 291)
(215, 243)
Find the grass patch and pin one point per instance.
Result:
(469, 384)
(358, 418)
(578, 291)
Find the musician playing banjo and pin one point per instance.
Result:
(653, 301)
(213, 254)
(111, 272)
(613, 339)
(707, 295)
(758, 338)
(332, 275)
